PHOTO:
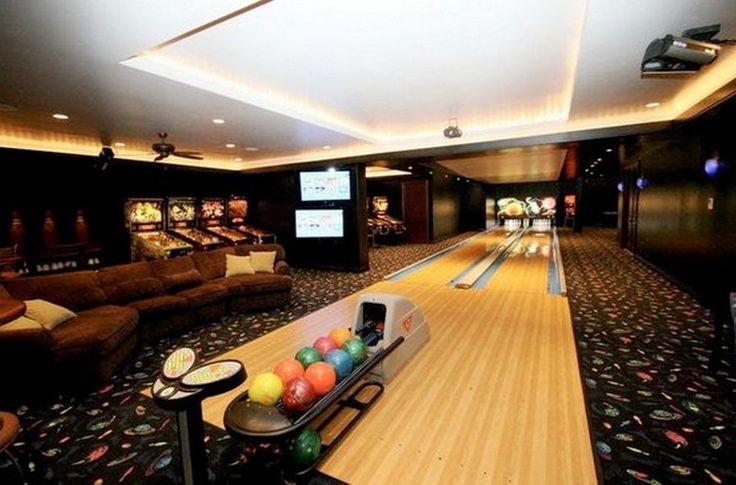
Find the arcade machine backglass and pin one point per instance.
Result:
(182, 220)
(214, 222)
(386, 225)
(145, 221)
(237, 212)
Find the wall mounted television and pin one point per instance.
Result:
(325, 185)
(317, 223)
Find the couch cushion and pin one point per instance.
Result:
(204, 294)
(255, 283)
(178, 281)
(133, 290)
(22, 326)
(47, 314)
(4, 293)
(114, 275)
(263, 261)
(246, 249)
(160, 305)
(211, 264)
(76, 290)
(11, 309)
(94, 332)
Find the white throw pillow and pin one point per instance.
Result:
(262, 261)
(19, 324)
(47, 314)
(237, 265)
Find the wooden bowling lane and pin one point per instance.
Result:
(444, 269)
(526, 268)
(494, 397)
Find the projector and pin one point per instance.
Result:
(680, 55)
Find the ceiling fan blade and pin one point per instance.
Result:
(160, 157)
(187, 152)
(190, 155)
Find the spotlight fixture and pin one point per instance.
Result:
(452, 130)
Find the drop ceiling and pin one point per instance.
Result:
(303, 81)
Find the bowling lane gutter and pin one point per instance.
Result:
(494, 253)
(484, 278)
(412, 268)
(556, 273)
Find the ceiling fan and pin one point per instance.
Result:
(165, 149)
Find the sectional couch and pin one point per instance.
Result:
(119, 306)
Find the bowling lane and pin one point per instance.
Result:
(527, 267)
(494, 397)
(442, 270)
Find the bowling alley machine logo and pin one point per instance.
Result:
(407, 323)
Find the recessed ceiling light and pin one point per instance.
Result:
(60, 116)
(331, 169)
(120, 144)
(326, 147)
(651, 105)
(218, 121)
(430, 172)
(230, 145)
(238, 159)
(609, 150)
(251, 149)
(410, 167)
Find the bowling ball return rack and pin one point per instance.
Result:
(258, 424)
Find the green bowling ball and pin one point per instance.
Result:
(308, 356)
(356, 349)
(304, 449)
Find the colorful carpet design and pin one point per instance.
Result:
(115, 435)
(658, 414)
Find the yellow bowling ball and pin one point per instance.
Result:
(266, 389)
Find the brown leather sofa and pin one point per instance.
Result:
(119, 305)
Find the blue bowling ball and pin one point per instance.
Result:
(341, 362)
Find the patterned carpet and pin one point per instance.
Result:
(658, 413)
(114, 435)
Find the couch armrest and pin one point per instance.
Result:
(38, 337)
(281, 267)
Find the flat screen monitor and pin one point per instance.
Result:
(314, 223)
(325, 185)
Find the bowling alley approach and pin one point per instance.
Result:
(325, 243)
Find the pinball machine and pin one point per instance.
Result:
(144, 219)
(237, 213)
(212, 219)
(181, 221)
(380, 222)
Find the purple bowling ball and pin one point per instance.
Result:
(341, 362)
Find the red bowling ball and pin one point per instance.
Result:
(324, 345)
(299, 395)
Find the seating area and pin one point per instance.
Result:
(84, 324)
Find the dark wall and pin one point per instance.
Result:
(675, 228)
(33, 182)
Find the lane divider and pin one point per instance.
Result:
(556, 284)
(470, 275)
(491, 270)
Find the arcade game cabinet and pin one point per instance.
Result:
(144, 220)
(237, 212)
(386, 225)
(181, 221)
(215, 224)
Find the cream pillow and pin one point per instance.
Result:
(19, 324)
(237, 265)
(263, 261)
(47, 314)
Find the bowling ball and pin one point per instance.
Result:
(288, 369)
(339, 335)
(308, 356)
(357, 350)
(322, 376)
(324, 345)
(266, 389)
(341, 362)
(304, 449)
(299, 395)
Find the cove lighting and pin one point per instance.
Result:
(60, 116)
(326, 147)
(251, 149)
(119, 144)
(238, 159)
(378, 172)
(218, 121)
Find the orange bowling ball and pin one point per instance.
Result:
(340, 335)
(322, 376)
(288, 369)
